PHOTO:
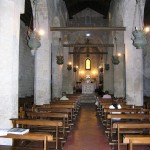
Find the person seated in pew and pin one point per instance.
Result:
(64, 96)
(97, 101)
(114, 105)
(106, 95)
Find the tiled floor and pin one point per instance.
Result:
(88, 133)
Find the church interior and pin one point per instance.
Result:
(78, 50)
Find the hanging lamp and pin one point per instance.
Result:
(115, 58)
(59, 57)
(33, 37)
(106, 66)
(75, 67)
(69, 65)
(139, 37)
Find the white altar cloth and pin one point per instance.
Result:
(88, 88)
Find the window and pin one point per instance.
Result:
(88, 64)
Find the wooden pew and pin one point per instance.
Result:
(31, 136)
(122, 111)
(57, 110)
(58, 106)
(125, 117)
(43, 123)
(107, 105)
(136, 139)
(49, 115)
(133, 126)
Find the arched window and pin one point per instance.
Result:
(88, 64)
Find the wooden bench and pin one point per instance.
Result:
(107, 105)
(30, 136)
(50, 115)
(40, 123)
(136, 139)
(62, 108)
(122, 111)
(125, 117)
(133, 126)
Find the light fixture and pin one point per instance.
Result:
(33, 37)
(88, 34)
(106, 66)
(75, 62)
(147, 29)
(69, 66)
(119, 54)
(59, 57)
(100, 68)
(115, 58)
(75, 68)
(139, 40)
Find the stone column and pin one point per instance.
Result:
(108, 74)
(67, 85)
(56, 69)
(119, 70)
(9, 56)
(42, 80)
(134, 59)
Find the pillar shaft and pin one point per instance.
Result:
(9, 49)
(134, 60)
(67, 74)
(42, 86)
(119, 70)
(56, 71)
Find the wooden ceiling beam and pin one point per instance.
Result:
(88, 45)
(87, 28)
(88, 52)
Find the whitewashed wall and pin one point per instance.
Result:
(26, 65)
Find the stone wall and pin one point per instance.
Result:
(26, 65)
(146, 67)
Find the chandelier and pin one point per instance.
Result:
(59, 57)
(33, 37)
(139, 37)
(115, 58)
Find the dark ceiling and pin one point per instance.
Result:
(147, 13)
(75, 6)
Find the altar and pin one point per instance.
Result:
(88, 87)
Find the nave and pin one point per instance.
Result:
(87, 133)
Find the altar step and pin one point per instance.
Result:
(87, 98)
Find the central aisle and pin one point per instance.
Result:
(87, 134)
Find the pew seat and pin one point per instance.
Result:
(136, 139)
(30, 136)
